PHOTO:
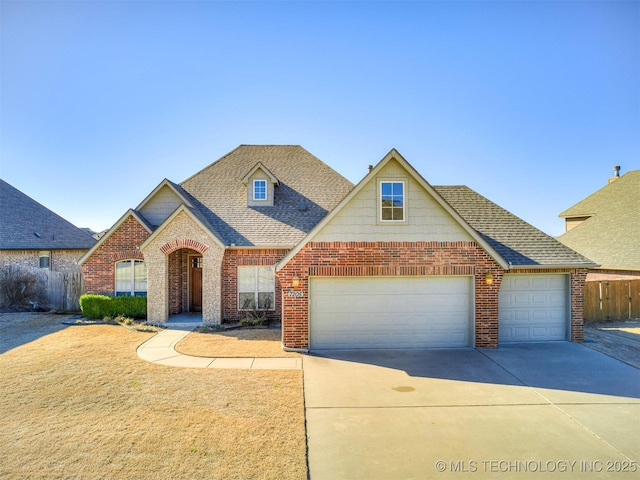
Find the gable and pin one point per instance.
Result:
(162, 204)
(426, 219)
(270, 182)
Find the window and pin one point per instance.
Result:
(392, 201)
(256, 286)
(259, 189)
(131, 278)
(45, 259)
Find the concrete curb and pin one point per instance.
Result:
(160, 349)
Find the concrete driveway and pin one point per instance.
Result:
(556, 410)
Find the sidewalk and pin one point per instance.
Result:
(160, 349)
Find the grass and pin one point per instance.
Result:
(245, 342)
(79, 403)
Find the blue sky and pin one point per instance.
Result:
(530, 103)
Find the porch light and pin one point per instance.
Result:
(295, 281)
(488, 278)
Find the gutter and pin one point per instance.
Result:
(542, 267)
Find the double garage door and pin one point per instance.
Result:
(430, 312)
(390, 312)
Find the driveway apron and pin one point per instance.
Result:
(556, 409)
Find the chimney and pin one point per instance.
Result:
(370, 167)
(616, 174)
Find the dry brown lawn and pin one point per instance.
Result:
(245, 342)
(79, 403)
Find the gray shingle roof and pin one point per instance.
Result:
(518, 242)
(220, 198)
(27, 225)
(611, 236)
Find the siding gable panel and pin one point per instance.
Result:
(426, 219)
(163, 204)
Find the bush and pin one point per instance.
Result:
(101, 306)
(19, 289)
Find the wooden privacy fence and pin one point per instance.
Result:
(52, 290)
(611, 300)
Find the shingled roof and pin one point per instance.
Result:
(611, 234)
(518, 242)
(307, 189)
(27, 225)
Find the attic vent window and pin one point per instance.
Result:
(259, 189)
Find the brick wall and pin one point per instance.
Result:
(121, 245)
(390, 259)
(60, 260)
(233, 258)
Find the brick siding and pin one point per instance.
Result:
(410, 259)
(390, 259)
(99, 269)
(233, 258)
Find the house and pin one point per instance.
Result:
(403, 264)
(210, 243)
(605, 227)
(390, 263)
(31, 235)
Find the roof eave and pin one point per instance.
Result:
(169, 219)
(115, 227)
(394, 154)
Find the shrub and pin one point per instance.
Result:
(19, 287)
(94, 306)
(100, 306)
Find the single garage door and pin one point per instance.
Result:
(533, 308)
(390, 312)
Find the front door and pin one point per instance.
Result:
(195, 284)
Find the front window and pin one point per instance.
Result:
(392, 201)
(259, 189)
(45, 259)
(256, 286)
(131, 278)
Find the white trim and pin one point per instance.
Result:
(405, 210)
(266, 190)
(393, 154)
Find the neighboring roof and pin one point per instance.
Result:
(27, 225)
(506, 238)
(611, 235)
(220, 201)
(519, 243)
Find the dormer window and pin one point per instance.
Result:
(259, 189)
(261, 184)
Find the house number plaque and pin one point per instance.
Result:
(293, 293)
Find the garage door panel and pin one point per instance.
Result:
(390, 312)
(533, 308)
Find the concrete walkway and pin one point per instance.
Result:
(160, 349)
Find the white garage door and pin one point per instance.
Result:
(390, 312)
(533, 308)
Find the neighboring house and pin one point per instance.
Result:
(210, 243)
(391, 262)
(402, 264)
(605, 227)
(32, 235)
